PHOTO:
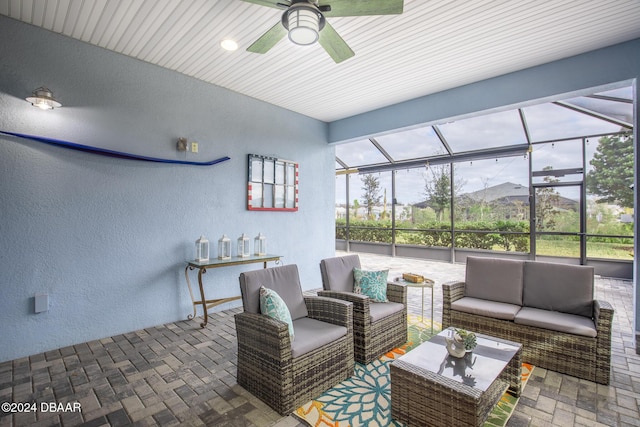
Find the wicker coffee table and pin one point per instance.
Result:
(431, 388)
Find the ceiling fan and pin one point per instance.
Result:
(305, 22)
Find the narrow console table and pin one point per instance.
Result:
(217, 263)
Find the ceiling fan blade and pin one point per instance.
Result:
(335, 46)
(268, 39)
(268, 3)
(362, 7)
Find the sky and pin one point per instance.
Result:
(545, 122)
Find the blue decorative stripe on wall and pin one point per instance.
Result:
(111, 153)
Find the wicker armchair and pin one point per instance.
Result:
(377, 327)
(283, 373)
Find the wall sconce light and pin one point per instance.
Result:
(43, 99)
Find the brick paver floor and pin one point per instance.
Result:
(180, 374)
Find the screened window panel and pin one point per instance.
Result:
(482, 132)
(616, 110)
(412, 144)
(557, 155)
(360, 153)
(490, 190)
(549, 122)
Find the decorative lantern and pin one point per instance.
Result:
(260, 244)
(202, 249)
(224, 247)
(244, 249)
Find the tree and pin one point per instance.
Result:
(371, 195)
(356, 206)
(612, 174)
(547, 199)
(384, 214)
(437, 188)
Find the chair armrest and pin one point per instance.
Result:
(265, 336)
(330, 310)
(397, 292)
(360, 301)
(603, 316)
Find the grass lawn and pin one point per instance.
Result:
(623, 251)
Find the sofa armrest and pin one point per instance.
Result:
(397, 292)
(330, 310)
(451, 291)
(602, 314)
(263, 336)
(603, 319)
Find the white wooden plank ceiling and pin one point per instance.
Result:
(434, 45)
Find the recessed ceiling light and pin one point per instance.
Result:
(228, 44)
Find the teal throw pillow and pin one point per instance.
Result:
(274, 306)
(371, 283)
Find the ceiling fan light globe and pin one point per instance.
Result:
(303, 36)
(303, 26)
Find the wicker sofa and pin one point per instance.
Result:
(549, 308)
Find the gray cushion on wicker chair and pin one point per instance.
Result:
(312, 334)
(338, 271)
(377, 327)
(285, 281)
(380, 310)
(286, 374)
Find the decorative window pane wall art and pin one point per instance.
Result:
(272, 184)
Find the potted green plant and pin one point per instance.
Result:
(468, 339)
(461, 342)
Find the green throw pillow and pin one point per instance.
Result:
(371, 283)
(274, 306)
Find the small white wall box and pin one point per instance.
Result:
(42, 303)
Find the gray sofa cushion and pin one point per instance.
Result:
(494, 279)
(556, 321)
(559, 287)
(285, 280)
(337, 272)
(312, 334)
(380, 310)
(482, 307)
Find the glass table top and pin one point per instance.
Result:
(477, 369)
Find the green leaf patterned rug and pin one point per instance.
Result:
(365, 398)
